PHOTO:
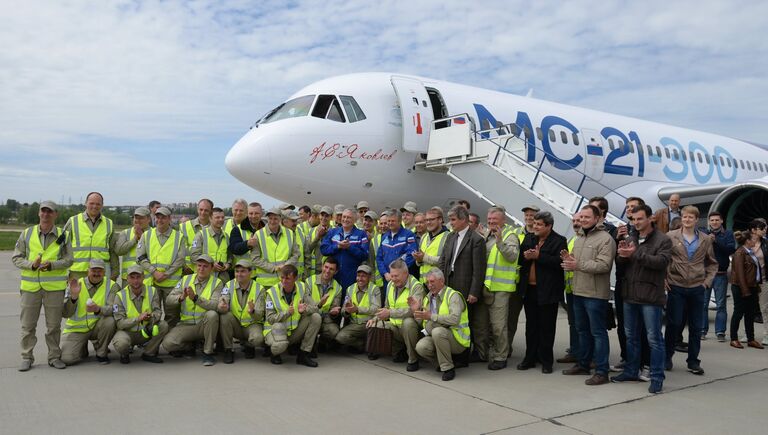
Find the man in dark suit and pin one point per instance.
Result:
(463, 262)
(542, 283)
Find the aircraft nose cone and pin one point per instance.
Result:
(249, 159)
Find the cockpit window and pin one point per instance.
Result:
(354, 112)
(328, 107)
(290, 109)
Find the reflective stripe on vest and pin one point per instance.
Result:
(316, 258)
(569, 273)
(130, 308)
(365, 302)
(461, 331)
(313, 283)
(217, 251)
(188, 230)
(500, 273)
(432, 247)
(273, 253)
(300, 244)
(87, 244)
(275, 294)
(402, 298)
(375, 244)
(34, 280)
(163, 256)
(191, 313)
(245, 235)
(82, 320)
(240, 311)
(129, 259)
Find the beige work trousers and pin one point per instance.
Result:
(441, 344)
(73, 344)
(31, 303)
(406, 335)
(184, 335)
(353, 334)
(172, 315)
(230, 328)
(123, 340)
(305, 333)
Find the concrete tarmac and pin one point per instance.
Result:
(348, 394)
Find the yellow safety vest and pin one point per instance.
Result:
(316, 258)
(365, 302)
(402, 299)
(375, 244)
(273, 253)
(217, 251)
(520, 231)
(433, 247)
(461, 331)
(188, 230)
(34, 280)
(501, 275)
(129, 259)
(86, 244)
(245, 235)
(569, 273)
(82, 320)
(191, 313)
(130, 309)
(162, 256)
(238, 309)
(275, 295)
(313, 283)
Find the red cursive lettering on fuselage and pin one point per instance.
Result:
(351, 152)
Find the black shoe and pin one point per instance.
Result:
(229, 356)
(373, 356)
(355, 350)
(497, 365)
(313, 354)
(401, 357)
(293, 349)
(696, 369)
(448, 375)
(546, 369)
(668, 365)
(475, 358)
(176, 354)
(250, 353)
(125, 359)
(152, 358)
(276, 359)
(525, 365)
(266, 352)
(461, 360)
(681, 347)
(303, 358)
(103, 360)
(412, 367)
(208, 359)
(190, 354)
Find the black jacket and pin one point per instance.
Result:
(646, 270)
(550, 279)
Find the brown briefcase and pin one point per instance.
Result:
(379, 339)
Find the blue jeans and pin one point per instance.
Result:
(720, 286)
(573, 332)
(678, 300)
(590, 315)
(636, 315)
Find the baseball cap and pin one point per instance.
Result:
(141, 211)
(362, 204)
(49, 205)
(165, 211)
(530, 207)
(364, 268)
(96, 263)
(410, 206)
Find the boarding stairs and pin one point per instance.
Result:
(491, 164)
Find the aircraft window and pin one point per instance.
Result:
(706, 158)
(564, 137)
(575, 139)
(538, 133)
(722, 162)
(621, 144)
(354, 112)
(650, 150)
(674, 152)
(699, 156)
(742, 164)
(631, 147)
(514, 129)
(761, 167)
(552, 137)
(685, 155)
(610, 144)
(290, 109)
(328, 107)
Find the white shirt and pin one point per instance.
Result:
(459, 239)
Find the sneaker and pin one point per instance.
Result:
(703, 336)
(597, 379)
(618, 368)
(208, 360)
(721, 338)
(448, 375)
(103, 360)
(645, 374)
(655, 387)
(623, 377)
(696, 370)
(57, 364)
(26, 364)
(229, 356)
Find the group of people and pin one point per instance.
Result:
(317, 278)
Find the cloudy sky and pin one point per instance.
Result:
(142, 100)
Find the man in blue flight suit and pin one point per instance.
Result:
(397, 243)
(349, 246)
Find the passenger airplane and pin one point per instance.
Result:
(360, 136)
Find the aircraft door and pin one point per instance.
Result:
(416, 111)
(593, 154)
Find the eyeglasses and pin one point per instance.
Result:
(430, 219)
